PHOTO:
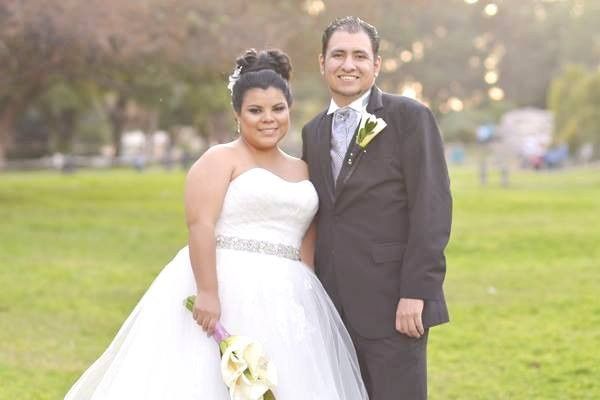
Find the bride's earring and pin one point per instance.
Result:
(237, 129)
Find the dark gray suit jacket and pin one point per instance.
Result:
(382, 229)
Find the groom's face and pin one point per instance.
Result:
(349, 66)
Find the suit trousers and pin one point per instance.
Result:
(393, 368)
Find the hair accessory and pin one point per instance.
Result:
(233, 78)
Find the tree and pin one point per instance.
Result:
(131, 50)
(42, 43)
(574, 97)
(172, 58)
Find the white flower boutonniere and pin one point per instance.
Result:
(369, 127)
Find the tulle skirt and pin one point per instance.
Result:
(161, 353)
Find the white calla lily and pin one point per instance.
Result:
(259, 366)
(233, 363)
(369, 127)
(245, 369)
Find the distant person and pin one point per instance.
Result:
(384, 216)
(249, 207)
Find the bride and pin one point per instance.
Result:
(249, 208)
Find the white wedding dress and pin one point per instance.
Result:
(160, 353)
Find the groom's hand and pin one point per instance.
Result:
(408, 317)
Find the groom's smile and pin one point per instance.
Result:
(349, 66)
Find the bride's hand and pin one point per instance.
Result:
(207, 310)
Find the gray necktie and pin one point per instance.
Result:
(344, 124)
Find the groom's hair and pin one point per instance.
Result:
(351, 25)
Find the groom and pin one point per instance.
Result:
(384, 217)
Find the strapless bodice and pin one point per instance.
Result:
(262, 206)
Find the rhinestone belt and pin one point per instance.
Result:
(258, 246)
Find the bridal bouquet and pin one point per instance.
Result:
(246, 371)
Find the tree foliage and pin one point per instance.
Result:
(63, 61)
(574, 97)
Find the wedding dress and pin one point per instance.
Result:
(266, 293)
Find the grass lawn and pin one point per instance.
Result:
(77, 251)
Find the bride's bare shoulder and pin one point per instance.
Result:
(297, 166)
(217, 159)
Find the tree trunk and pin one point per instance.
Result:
(219, 128)
(66, 131)
(118, 117)
(8, 117)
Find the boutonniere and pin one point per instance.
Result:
(369, 127)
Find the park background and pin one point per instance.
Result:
(104, 103)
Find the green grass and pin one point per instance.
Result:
(77, 251)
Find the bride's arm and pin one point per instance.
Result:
(205, 188)
(307, 249)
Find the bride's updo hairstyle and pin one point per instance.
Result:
(262, 69)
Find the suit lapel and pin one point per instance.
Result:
(355, 153)
(324, 145)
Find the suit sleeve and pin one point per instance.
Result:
(304, 144)
(430, 207)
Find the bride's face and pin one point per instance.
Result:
(264, 117)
